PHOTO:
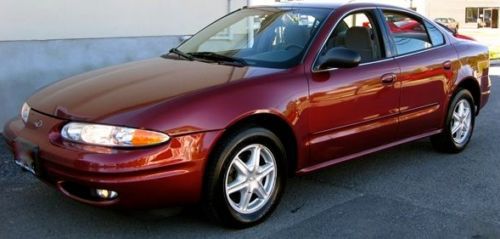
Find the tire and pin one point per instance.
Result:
(459, 124)
(261, 184)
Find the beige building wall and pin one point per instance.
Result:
(454, 8)
(73, 19)
(43, 41)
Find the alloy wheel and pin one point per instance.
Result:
(461, 122)
(250, 179)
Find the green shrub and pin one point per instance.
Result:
(495, 52)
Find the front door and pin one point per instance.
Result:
(353, 110)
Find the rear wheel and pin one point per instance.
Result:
(459, 124)
(246, 178)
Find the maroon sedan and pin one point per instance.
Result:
(262, 93)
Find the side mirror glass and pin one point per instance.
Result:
(339, 57)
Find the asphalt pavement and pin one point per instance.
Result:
(409, 191)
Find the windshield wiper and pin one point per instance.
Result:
(221, 59)
(181, 54)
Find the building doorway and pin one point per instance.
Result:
(494, 18)
(487, 12)
(490, 17)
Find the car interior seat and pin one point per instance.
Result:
(360, 40)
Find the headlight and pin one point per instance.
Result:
(25, 112)
(113, 136)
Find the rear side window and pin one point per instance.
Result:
(407, 32)
(437, 38)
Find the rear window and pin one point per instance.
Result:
(436, 36)
(407, 32)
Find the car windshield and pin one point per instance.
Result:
(266, 37)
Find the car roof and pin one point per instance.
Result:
(329, 4)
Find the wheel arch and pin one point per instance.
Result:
(272, 121)
(471, 84)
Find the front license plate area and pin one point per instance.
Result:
(26, 156)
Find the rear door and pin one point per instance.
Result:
(427, 64)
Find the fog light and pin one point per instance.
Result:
(106, 194)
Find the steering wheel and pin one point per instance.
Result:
(294, 46)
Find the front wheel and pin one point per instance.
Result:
(245, 178)
(459, 124)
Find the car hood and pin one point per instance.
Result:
(100, 94)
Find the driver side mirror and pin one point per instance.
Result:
(339, 57)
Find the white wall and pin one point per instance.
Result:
(456, 8)
(69, 19)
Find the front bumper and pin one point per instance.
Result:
(163, 175)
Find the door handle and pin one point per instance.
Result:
(447, 65)
(388, 78)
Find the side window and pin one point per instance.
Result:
(407, 32)
(357, 32)
(436, 36)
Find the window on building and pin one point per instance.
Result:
(471, 14)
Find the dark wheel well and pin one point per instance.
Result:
(275, 124)
(472, 86)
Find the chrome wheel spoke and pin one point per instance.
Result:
(236, 186)
(467, 113)
(255, 159)
(456, 116)
(462, 131)
(263, 172)
(461, 108)
(468, 123)
(246, 195)
(260, 191)
(241, 166)
(455, 128)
